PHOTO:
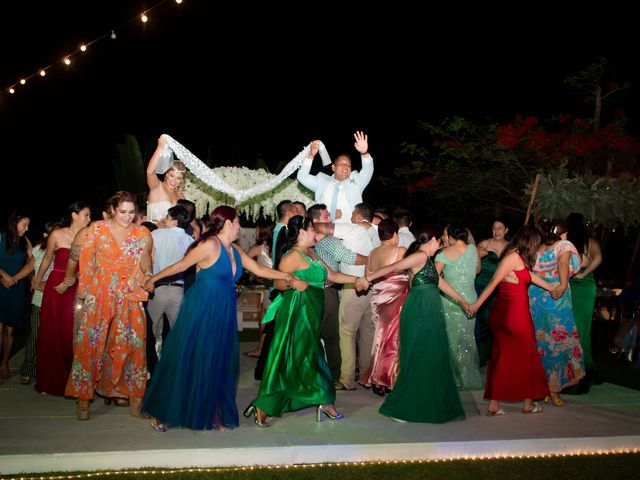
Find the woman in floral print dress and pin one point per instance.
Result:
(109, 344)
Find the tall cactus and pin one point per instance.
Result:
(129, 165)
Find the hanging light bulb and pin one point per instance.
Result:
(144, 18)
(178, 2)
(22, 81)
(83, 48)
(42, 73)
(113, 35)
(12, 90)
(67, 61)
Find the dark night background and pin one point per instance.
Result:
(235, 82)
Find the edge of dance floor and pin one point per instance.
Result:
(384, 452)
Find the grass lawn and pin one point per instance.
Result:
(610, 467)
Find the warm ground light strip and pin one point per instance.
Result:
(67, 59)
(321, 465)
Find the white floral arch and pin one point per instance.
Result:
(240, 178)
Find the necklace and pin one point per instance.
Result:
(229, 247)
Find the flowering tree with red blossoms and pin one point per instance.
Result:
(470, 169)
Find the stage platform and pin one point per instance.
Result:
(39, 433)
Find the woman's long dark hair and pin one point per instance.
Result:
(526, 242)
(458, 231)
(577, 233)
(265, 233)
(75, 207)
(426, 234)
(387, 229)
(552, 231)
(13, 237)
(296, 223)
(216, 220)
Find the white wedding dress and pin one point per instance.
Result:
(157, 211)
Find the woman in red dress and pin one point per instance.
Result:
(54, 347)
(515, 372)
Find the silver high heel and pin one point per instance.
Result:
(320, 411)
(252, 410)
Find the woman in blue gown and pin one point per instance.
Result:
(194, 384)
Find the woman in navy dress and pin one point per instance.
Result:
(194, 384)
(16, 264)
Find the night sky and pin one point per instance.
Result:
(264, 81)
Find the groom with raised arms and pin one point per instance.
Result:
(342, 191)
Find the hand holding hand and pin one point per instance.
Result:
(362, 284)
(149, 286)
(362, 142)
(299, 285)
(6, 282)
(472, 309)
(557, 292)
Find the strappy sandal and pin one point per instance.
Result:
(495, 413)
(536, 409)
(157, 425)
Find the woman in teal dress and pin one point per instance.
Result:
(194, 384)
(296, 374)
(16, 264)
(556, 333)
(489, 251)
(426, 388)
(583, 283)
(458, 263)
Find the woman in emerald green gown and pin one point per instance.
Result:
(426, 388)
(583, 284)
(296, 374)
(489, 251)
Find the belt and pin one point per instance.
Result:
(170, 284)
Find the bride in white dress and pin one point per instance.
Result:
(163, 194)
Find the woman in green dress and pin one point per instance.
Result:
(426, 388)
(458, 263)
(489, 251)
(296, 374)
(583, 283)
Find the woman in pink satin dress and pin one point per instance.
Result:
(388, 296)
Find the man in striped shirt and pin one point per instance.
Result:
(332, 252)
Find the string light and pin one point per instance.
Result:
(177, 471)
(111, 33)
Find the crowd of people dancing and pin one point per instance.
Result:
(357, 299)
